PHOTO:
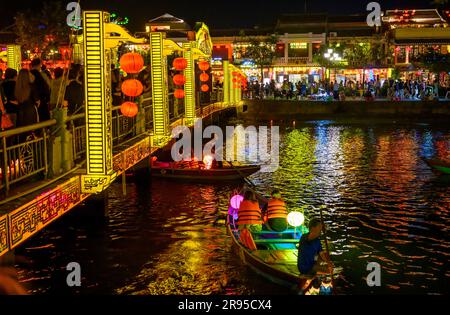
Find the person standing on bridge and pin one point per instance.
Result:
(27, 98)
(42, 89)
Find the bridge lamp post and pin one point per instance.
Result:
(332, 56)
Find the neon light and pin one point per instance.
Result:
(189, 88)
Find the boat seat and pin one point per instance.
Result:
(274, 241)
(272, 232)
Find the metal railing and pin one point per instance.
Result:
(24, 153)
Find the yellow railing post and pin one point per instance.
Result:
(189, 88)
(226, 82)
(14, 57)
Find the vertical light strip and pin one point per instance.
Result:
(95, 100)
(232, 89)
(159, 89)
(14, 57)
(226, 81)
(189, 88)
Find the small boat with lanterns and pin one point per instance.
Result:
(273, 255)
(200, 171)
(439, 165)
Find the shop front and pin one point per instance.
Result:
(296, 74)
(359, 75)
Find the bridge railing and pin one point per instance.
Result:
(24, 154)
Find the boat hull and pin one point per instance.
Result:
(440, 166)
(228, 174)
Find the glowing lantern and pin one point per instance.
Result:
(234, 73)
(235, 80)
(203, 65)
(296, 219)
(179, 93)
(236, 201)
(204, 88)
(132, 87)
(129, 109)
(204, 77)
(179, 79)
(208, 161)
(180, 64)
(132, 63)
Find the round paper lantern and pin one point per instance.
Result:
(234, 73)
(180, 63)
(132, 63)
(132, 87)
(179, 93)
(179, 79)
(129, 109)
(236, 201)
(203, 65)
(296, 219)
(204, 77)
(204, 88)
(234, 80)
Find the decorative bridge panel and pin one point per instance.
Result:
(4, 246)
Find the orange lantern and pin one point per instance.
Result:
(179, 79)
(129, 109)
(205, 88)
(203, 65)
(235, 80)
(132, 63)
(234, 73)
(132, 87)
(179, 93)
(180, 64)
(204, 77)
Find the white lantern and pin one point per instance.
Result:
(296, 219)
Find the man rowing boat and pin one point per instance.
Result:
(310, 252)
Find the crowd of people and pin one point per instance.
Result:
(390, 89)
(28, 96)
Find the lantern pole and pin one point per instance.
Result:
(226, 81)
(189, 88)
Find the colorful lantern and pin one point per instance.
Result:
(296, 219)
(203, 65)
(129, 109)
(204, 88)
(204, 77)
(180, 63)
(179, 93)
(132, 63)
(132, 87)
(234, 73)
(179, 79)
(236, 201)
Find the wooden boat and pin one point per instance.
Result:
(439, 165)
(200, 173)
(276, 259)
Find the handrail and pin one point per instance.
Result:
(18, 131)
(75, 117)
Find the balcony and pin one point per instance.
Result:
(291, 61)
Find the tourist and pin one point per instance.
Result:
(249, 213)
(42, 89)
(74, 96)
(310, 253)
(8, 87)
(56, 87)
(28, 99)
(276, 213)
(336, 90)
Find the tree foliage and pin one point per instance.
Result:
(364, 55)
(435, 61)
(44, 29)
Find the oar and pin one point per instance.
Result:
(246, 180)
(326, 242)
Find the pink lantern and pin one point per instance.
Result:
(236, 201)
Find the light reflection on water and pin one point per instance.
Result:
(383, 204)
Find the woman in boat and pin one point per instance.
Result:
(277, 213)
(310, 252)
(249, 213)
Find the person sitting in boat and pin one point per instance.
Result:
(276, 213)
(249, 213)
(310, 252)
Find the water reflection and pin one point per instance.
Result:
(383, 204)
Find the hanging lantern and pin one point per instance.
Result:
(203, 65)
(129, 109)
(235, 80)
(180, 63)
(204, 88)
(204, 77)
(179, 79)
(234, 73)
(132, 87)
(132, 63)
(179, 93)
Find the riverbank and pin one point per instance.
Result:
(279, 110)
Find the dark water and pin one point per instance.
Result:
(383, 204)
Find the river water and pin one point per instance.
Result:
(383, 204)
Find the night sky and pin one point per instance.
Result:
(216, 14)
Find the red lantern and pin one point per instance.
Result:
(132, 63)
(234, 73)
(205, 88)
(179, 93)
(203, 65)
(132, 87)
(179, 79)
(204, 77)
(180, 64)
(129, 109)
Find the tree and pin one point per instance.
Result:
(364, 55)
(435, 62)
(261, 50)
(42, 30)
(439, 3)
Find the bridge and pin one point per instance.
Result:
(49, 168)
